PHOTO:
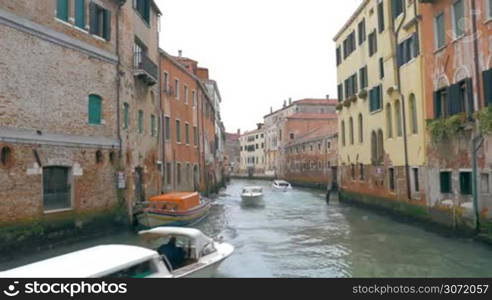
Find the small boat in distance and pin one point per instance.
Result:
(173, 252)
(174, 209)
(252, 195)
(281, 185)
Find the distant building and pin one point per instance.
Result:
(252, 147)
(233, 152)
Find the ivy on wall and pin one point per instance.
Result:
(442, 129)
(485, 120)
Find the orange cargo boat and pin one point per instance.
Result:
(174, 209)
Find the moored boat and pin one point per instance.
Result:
(281, 185)
(174, 209)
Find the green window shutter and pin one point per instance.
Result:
(95, 109)
(437, 105)
(140, 121)
(107, 25)
(80, 13)
(94, 19)
(126, 116)
(62, 10)
(445, 182)
(147, 11)
(469, 96)
(487, 87)
(453, 99)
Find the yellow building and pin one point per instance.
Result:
(381, 108)
(252, 155)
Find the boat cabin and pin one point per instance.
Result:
(252, 190)
(175, 202)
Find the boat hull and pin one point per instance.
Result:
(151, 219)
(250, 200)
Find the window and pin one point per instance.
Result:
(413, 114)
(352, 171)
(141, 270)
(176, 88)
(446, 184)
(407, 50)
(398, 7)
(455, 99)
(165, 80)
(178, 131)
(361, 172)
(362, 31)
(441, 103)
(373, 43)
(186, 94)
(99, 157)
(375, 99)
(374, 147)
(381, 68)
(351, 130)
(56, 188)
(126, 116)
(291, 136)
(187, 133)
(193, 98)
(363, 77)
(380, 16)
(100, 21)
(459, 18)
(139, 51)
(140, 122)
(340, 92)
(80, 13)
(488, 9)
(95, 109)
(143, 8)
(487, 86)
(339, 56)
(485, 183)
(195, 136)
(361, 130)
(440, 33)
(351, 86)
(416, 183)
(389, 121)
(62, 10)
(178, 173)
(343, 133)
(380, 149)
(392, 181)
(465, 183)
(349, 45)
(168, 173)
(153, 126)
(167, 128)
(399, 123)
(5, 155)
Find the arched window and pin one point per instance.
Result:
(361, 129)
(343, 133)
(99, 157)
(380, 146)
(413, 114)
(374, 147)
(399, 125)
(351, 129)
(389, 121)
(5, 155)
(95, 109)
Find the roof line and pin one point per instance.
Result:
(351, 19)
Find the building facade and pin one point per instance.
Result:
(252, 148)
(381, 116)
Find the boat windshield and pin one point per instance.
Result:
(252, 190)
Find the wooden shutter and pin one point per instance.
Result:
(147, 10)
(487, 87)
(453, 99)
(416, 44)
(94, 20)
(80, 13)
(94, 109)
(107, 25)
(437, 105)
(62, 10)
(469, 94)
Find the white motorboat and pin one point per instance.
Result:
(282, 185)
(252, 195)
(200, 257)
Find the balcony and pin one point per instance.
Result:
(145, 68)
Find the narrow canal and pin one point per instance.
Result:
(297, 235)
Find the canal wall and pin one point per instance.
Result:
(65, 228)
(438, 219)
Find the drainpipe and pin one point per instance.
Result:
(398, 83)
(118, 80)
(477, 139)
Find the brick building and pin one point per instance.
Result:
(233, 152)
(66, 132)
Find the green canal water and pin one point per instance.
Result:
(296, 234)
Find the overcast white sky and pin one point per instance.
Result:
(261, 52)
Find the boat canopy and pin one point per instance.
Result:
(253, 189)
(177, 201)
(93, 262)
(281, 183)
(198, 239)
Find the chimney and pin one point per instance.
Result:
(239, 131)
(271, 109)
(327, 97)
(290, 101)
(260, 125)
(285, 103)
(180, 53)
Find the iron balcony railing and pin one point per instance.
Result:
(145, 68)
